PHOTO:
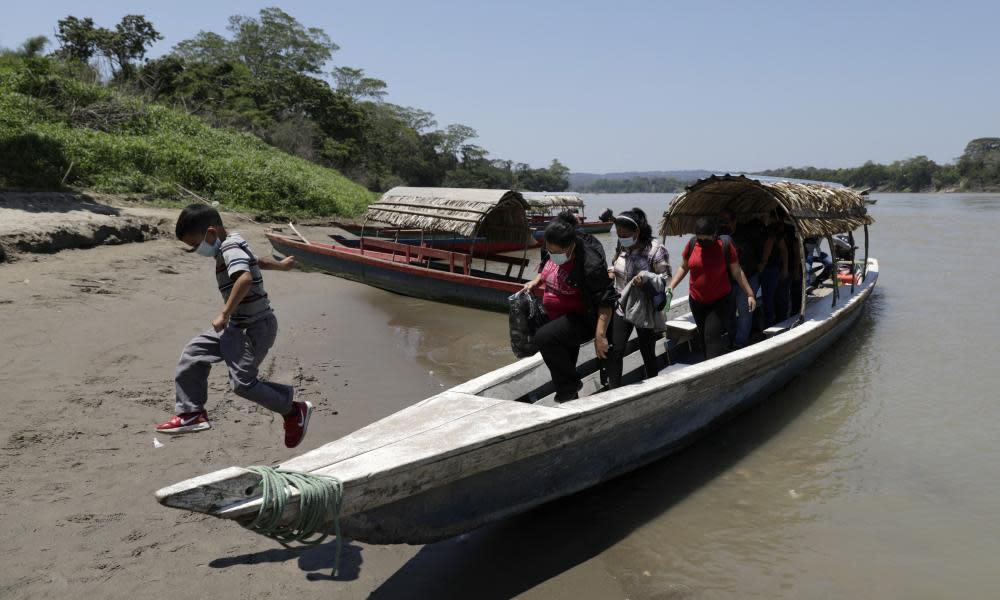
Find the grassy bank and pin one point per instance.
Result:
(57, 130)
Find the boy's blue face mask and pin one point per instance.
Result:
(209, 250)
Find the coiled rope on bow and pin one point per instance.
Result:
(320, 500)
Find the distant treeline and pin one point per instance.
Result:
(266, 75)
(978, 169)
(634, 185)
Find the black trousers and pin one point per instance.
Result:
(723, 308)
(620, 332)
(559, 342)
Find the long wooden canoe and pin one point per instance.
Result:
(499, 445)
(429, 273)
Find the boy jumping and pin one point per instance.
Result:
(241, 335)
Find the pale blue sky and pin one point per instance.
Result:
(612, 86)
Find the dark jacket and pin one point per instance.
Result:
(749, 239)
(590, 274)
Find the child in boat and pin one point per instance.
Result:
(240, 335)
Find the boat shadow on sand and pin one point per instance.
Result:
(317, 561)
(514, 555)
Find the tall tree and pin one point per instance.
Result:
(275, 40)
(453, 139)
(205, 47)
(979, 164)
(33, 46)
(353, 82)
(128, 43)
(78, 38)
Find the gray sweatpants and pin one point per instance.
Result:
(242, 350)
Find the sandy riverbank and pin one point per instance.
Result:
(88, 343)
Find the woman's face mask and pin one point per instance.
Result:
(626, 237)
(561, 258)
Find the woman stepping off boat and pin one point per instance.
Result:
(578, 299)
(712, 261)
(644, 262)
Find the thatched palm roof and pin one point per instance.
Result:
(550, 200)
(816, 209)
(497, 215)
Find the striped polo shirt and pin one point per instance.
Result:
(233, 257)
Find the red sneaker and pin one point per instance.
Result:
(296, 423)
(186, 423)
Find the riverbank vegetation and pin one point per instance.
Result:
(250, 118)
(977, 170)
(634, 185)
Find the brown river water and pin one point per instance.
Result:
(876, 474)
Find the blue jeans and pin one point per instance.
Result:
(742, 317)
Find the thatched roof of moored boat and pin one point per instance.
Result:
(497, 215)
(549, 200)
(817, 209)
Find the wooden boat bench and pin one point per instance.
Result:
(420, 254)
(682, 330)
(781, 327)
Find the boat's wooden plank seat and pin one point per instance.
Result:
(781, 327)
(424, 254)
(682, 329)
(420, 254)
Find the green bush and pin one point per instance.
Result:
(52, 122)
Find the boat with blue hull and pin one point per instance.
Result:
(500, 444)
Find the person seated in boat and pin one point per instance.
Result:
(712, 260)
(813, 255)
(639, 259)
(749, 239)
(578, 299)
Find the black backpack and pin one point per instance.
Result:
(726, 243)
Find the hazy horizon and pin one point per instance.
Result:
(646, 86)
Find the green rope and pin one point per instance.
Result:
(320, 500)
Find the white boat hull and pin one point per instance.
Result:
(475, 453)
